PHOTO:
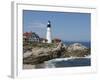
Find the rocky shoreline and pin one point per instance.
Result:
(38, 55)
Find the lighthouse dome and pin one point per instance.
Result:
(49, 24)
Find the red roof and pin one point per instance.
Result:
(57, 39)
(27, 34)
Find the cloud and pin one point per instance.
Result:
(37, 25)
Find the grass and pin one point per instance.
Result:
(30, 45)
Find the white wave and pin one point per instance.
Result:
(65, 59)
(49, 64)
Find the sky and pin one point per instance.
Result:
(67, 26)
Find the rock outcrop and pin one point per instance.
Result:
(77, 50)
(76, 46)
(39, 55)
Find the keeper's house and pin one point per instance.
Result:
(31, 37)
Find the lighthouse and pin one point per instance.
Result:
(48, 35)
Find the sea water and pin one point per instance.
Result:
(67, 62)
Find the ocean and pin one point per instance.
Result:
(73, 62)
(66, 62)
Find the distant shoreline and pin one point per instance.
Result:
(85, 43)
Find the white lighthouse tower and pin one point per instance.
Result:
(48, 36)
